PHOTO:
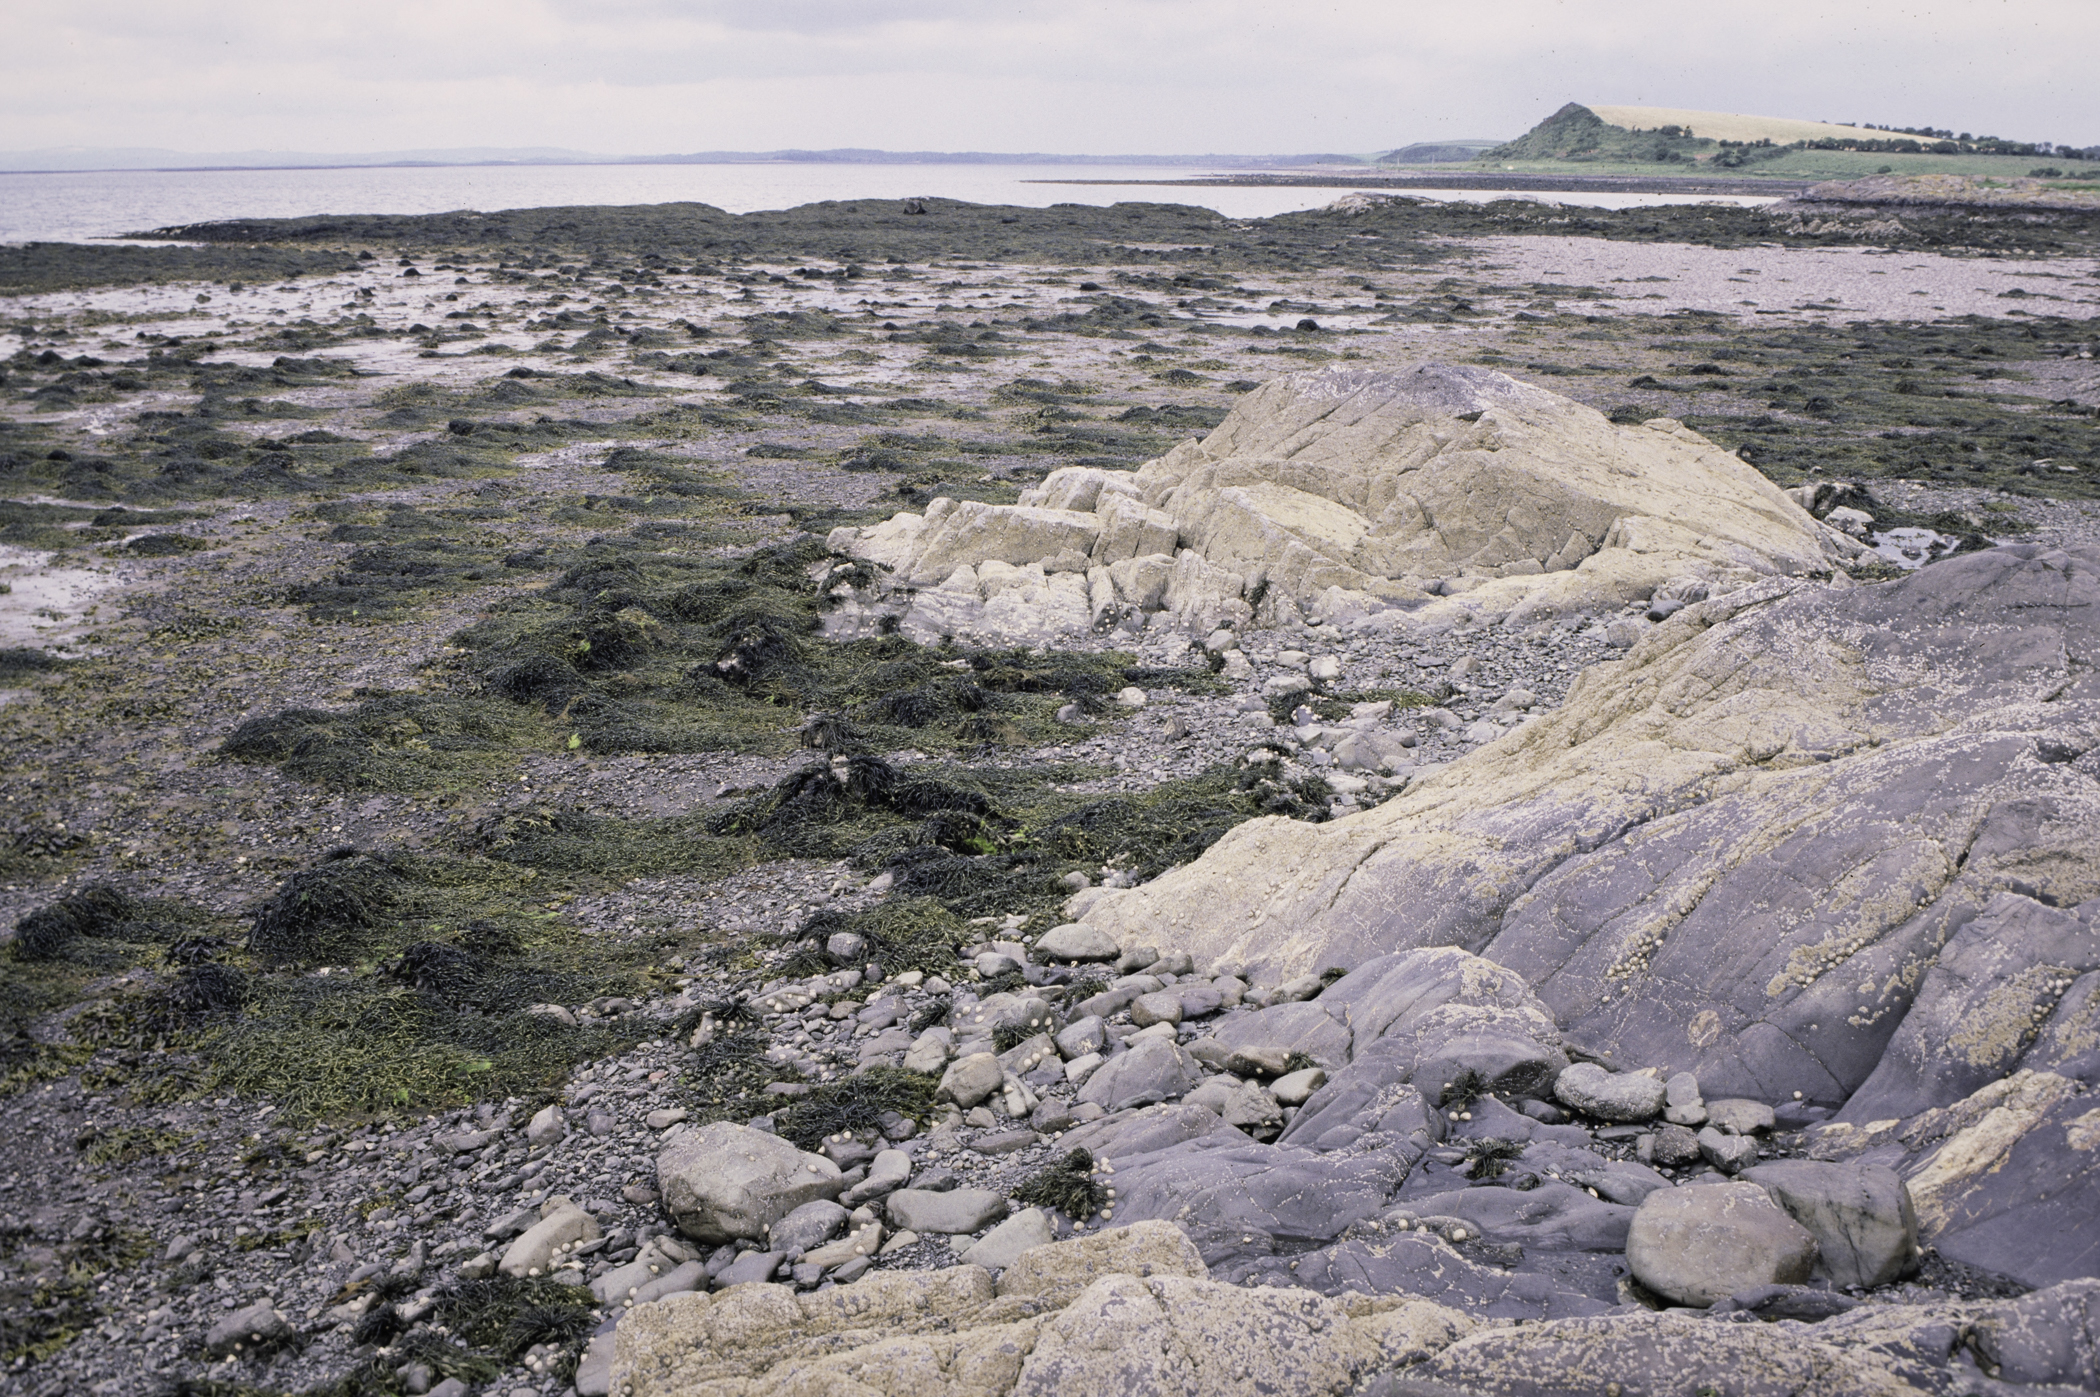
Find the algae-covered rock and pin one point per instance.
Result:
(1055, 1274)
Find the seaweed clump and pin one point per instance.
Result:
(907, 933)
(728, 1075)
(662, 652)
(475, 1330)
(97, 910)
(804, 811)
(324, 912)
(392, 742)
(1489, 1158)
(1068, 1185)
(19, 661)
(856, 1105)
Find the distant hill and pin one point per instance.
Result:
(1436, 152)
(1576, 132)
(1730, 140)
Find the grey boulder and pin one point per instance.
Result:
(955, 1211)
(751, 1267)
(594, 1368)
(1704, 1242)
(1865, 1227)
(724, 1182)
(1076, 941)
(808, 1227)
(1737, 1116)
(1610, 1096)
(1161, 1006)
(256, 1327)
(1150, 1072)
(969, 1080)
(1672, 1145)
(561, 1225)
(1730, 1154)
(1241, 1104)
(546, 1127)
(999, 1248)
(887, 1173)
(1083, 1035)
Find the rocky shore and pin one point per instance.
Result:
(736, 827)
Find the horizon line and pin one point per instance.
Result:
(844, 155)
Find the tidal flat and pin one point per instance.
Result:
(412, 679)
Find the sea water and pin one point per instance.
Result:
(82, 206)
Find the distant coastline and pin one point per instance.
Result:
(1466, 179)
(135, 161)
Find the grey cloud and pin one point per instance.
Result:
(1135, 75)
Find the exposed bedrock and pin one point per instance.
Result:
(1137, 1311)
(1823, 848)
(1740, 851)
(1426, 497)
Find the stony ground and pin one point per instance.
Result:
(368, 492)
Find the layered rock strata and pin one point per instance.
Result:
(1745, 850)
(1137, 1312)
(1428, 497)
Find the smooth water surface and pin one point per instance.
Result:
(85, 205)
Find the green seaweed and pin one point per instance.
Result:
(856, 1105)
(1067, 1185)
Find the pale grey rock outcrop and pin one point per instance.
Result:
(1734, 852)
(1136, 1310)
(1132, 1311)
(1429, 496)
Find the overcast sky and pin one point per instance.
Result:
(1166, 76)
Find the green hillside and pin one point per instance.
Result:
(1578, 135)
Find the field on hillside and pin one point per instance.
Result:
(1729, 126)
(1801, 164)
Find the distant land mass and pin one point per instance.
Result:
(1437, 152)
(1730, 126)
(82, 158)
(1732, 140)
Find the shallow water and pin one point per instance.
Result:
(44, 605)
(83, 205)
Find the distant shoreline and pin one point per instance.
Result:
(1460, 179)
(791, 159)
